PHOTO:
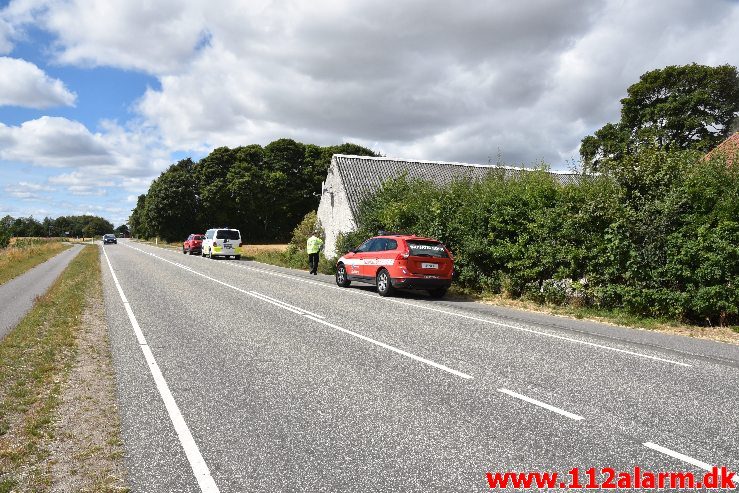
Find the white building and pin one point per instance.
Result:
(351, 179)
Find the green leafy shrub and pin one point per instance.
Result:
(657, 234)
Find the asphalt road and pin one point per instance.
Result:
(18, 295)
(236, 376)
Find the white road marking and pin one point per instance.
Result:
(197, 463)
(314, 317)
(392, 348)
(541, 404)
(469, 317)
(678, 455)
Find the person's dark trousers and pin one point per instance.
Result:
(313, 261)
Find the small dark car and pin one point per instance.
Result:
(109, 238)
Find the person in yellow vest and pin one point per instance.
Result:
(313, 247)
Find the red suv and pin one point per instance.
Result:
(398, 262)
(193, 244)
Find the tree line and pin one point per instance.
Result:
(76, 226)
(262, 191)
(655, 232)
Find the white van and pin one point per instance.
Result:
(222, 242)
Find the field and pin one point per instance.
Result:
(24, 254)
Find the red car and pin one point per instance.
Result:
(193, 244)
(398, 262)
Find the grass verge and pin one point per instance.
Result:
(613, 317)
(21, 257)
(35, 360)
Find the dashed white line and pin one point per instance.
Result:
(554, 409)
(192, 452)
(678, 455)
(315, 317)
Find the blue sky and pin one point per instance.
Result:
(98, 97)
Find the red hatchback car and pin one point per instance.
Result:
(398, 262)
(193, 244)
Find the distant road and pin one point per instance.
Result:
(17, 295)
(236, 376)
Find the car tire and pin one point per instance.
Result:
(384, 283)
(184, 252)
(437, 293)
(341, 278)
(189, 251)
(238, 257)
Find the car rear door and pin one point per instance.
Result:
(428, 258)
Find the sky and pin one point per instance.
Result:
(97, 97)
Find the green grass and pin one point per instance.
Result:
(25, 255)
(34, 359)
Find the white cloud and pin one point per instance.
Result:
(413, 78)
(53, 142)
(28, 190)
(24, 84)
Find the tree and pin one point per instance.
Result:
(171, 205)
(137, 219)
(674, 108)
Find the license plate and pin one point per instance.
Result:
(429, 266)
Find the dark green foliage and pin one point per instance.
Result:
(657, 236)
(4, 236)
(76, 226)
(263, 191)
(677, 107)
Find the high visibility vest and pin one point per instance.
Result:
(314, 244)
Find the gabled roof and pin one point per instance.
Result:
(362, 175)
(729, 148)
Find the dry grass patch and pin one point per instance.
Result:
(36, 358)
(23, 254)
(613, 317)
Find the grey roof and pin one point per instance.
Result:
(362, 175)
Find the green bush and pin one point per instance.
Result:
(4, 237)
(656, 234)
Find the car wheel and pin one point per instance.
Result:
(210, 254)
(184, 252)
(238, 257)
(437, 293)
(189, 251)
(384, 285)
(341, 279)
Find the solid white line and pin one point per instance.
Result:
(470, 317)
(393, 348)
(288, 305)
(197, 463)
(315, 317)
(542, 404)
(678, 455)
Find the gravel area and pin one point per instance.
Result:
(86, 454)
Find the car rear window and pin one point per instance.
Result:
(228, 234)
(421, 248)
(109, 236)
(198, 237)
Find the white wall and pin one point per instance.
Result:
(333, 211)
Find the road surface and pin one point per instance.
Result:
(236, 376)
(18, 295)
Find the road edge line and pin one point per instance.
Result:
(195, 458)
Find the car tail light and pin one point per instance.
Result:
(403, 255)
